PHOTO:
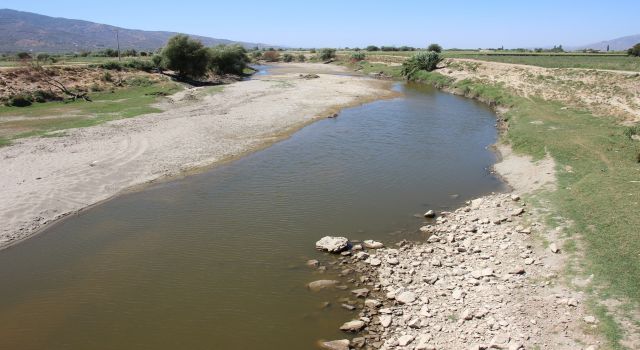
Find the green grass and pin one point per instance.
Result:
(601, 193)
(616, 61)
(39, 119)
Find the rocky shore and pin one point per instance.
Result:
(479, 281)
(486, 276)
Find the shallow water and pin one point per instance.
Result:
(217, 260)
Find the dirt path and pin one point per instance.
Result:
(44, 179)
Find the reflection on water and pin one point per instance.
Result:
(216, 260)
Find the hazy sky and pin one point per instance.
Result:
(318, 23)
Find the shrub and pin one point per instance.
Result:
(271, 56)
(107, 77)
(228, 59)
(327, 54)
(388, 48)
(256, 55)
(358, 56)
(435, 48)
(23, 56)
(188, 57)
(43, 57)
(41, 96)
(144, 66)
(426, 61)
(20, 101)
(157, 61)
(301, 58)
(372, 48)
(635, 50)
(287, 57)
(111, 65)
(312, 51)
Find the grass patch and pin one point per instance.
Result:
(39, 119)
(368, 68)
(593, 61)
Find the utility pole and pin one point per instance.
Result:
(118, 40)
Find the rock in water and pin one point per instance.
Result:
(430, 214)
(371, 244)
(342, 344)
(322, 284)
(332, 244)
(352, 326)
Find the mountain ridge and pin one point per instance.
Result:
(28, 31)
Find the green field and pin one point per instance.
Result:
(615, 61)
(45, 119)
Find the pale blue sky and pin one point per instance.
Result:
(319, 23)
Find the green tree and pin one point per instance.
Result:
(188, 57)
(435, 48)
(228, 59)
(327, 54)
(635, 50)
(372, 48)
(424, 60)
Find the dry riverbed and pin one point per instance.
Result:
(44, 179)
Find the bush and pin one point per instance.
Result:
(228, 59)
(358, 56)
(327, 54)
(312, 51)
(111, 65)
(256, 55)
(426, 61)
(435, 48)
(372, 48)
(41, 96)
(388, 48)
(635, 50)
(23, 56)
(107, 77)
(271, 56)
(157, 61)
(188, 57)
(287, 57)
(19, 101)
(144, 66)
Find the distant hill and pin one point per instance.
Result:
(26, 31)
(618, 44)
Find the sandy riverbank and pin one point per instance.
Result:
(44, 179)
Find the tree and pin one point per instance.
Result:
(635, 50)
(435, 48)
(271, 56)
(372, 48)
(230, 59)
(425, 60)
(188, 57)
(327, 54)
(24, 56)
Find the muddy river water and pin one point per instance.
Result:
(217, 260)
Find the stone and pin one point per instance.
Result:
(517, 212)
(352, 326)
(360, 293)
(430, 214)
(319, 285)
(515, 197)
(348, 307)
(406, 297)
(332, 244)
(457, 293)
(405, 340)
(528, 261)
(553, 248)
(358, 342)
(500, 341)
(371, 244)
(372, 303)
(342, 344)
(385, 321)
(375, 262)
(393, 261)
(476, 203)
(313, 263)
(517, 270)
(590, 320)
